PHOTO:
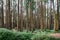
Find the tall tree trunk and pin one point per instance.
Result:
(58, 13)
(27, 27)
(47, 15)
(2, 15)
(56, 18)
(21, 17)
(31, 16)
(38, 16)
(50, 15)
(8, 19)
(18, 17)
(44, 14)
(42, 22)
(35, 21)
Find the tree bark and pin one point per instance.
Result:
(21, 17)
(50, 15)
(27, 27)
(8, 18)
(2, 15)
(56, 18)
(42, 21)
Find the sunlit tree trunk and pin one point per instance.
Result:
(56, 18)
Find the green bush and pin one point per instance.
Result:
(6, 34)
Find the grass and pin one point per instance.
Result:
(6, 34)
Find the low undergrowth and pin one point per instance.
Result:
(6, 34)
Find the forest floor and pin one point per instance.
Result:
(55, 35)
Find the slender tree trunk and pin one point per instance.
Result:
(31, 16)
(21, 17)
(18, 17)
(47, 15)
(56, 18)
(38, 16)
(58, 13)
(2, 15)
(50, 15)
(27, 27)
(42, 22)
(35, 17)
(44, 14)
(8, 19)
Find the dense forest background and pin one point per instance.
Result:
(30, 14)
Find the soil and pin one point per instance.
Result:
(55, 35)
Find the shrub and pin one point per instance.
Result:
(6, 34)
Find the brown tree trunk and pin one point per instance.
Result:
(44, 15)
(27, 27)
(42, 21)
(56, 18)
(8, 19)
(21, 17)
(47, 16)
(38, 16)
(18, 17)
(31, 17)
(50, 15)
(2, 15)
